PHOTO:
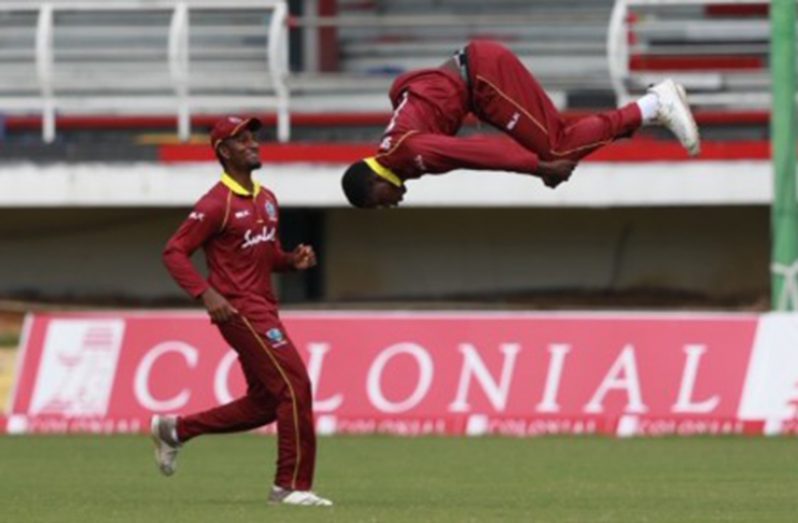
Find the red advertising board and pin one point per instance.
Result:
(402, 373)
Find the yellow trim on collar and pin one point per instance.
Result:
(383, 172)
(236, 187)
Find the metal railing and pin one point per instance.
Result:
(562, 45)
(135, 73)
(680, 28)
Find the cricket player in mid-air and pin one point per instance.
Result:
(489, 81)
(236, 223)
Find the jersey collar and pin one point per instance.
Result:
(383, 172)
(236, 187)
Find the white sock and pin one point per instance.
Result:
(649, 105)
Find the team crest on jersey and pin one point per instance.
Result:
(271, 211)
(275, 337)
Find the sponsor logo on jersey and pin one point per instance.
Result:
(513, 121)
(271, 210)
(242, 214)
(253, 238)
(275, 337)
(195, 215)
(385, 144)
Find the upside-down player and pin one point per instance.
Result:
(236, 223)
(488, 80)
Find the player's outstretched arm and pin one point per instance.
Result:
(436, 153)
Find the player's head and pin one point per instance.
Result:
(235, 143)
(368, 189)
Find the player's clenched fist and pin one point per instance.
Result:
(304, 257)
(555, 172)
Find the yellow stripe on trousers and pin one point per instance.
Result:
(540, 125)
(293, 399)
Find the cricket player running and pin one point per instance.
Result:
(489, 81)
(236, 223)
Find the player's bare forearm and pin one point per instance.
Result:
(555, 172)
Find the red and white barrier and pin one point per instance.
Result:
(428, 373)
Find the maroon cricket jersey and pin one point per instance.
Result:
(429, 108)
(238, 232)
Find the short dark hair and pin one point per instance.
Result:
(357, 182)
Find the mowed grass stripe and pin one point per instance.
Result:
(386, 479)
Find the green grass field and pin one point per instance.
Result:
(383, 479)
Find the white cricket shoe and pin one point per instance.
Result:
(163, 432)
(674, 113)
(303, 498)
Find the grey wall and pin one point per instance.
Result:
(416, 254)
(718, 251)
(56, 252)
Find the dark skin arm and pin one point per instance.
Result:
(555, 172)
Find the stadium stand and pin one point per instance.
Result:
(134, 58)
(343, 63)
(718, 50)
(343, 55)
(381, 39)
(364, 45)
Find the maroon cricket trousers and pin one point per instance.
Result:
(506, 95)
(278, 389)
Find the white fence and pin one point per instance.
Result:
(646, 29)
(144, 57)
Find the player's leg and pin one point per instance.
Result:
(169, 433)
(255, 409)
(249, 412)
(505, 94)
(282, 371)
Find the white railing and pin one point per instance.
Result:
(694, 34)
(180, 67)
(562, 44)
